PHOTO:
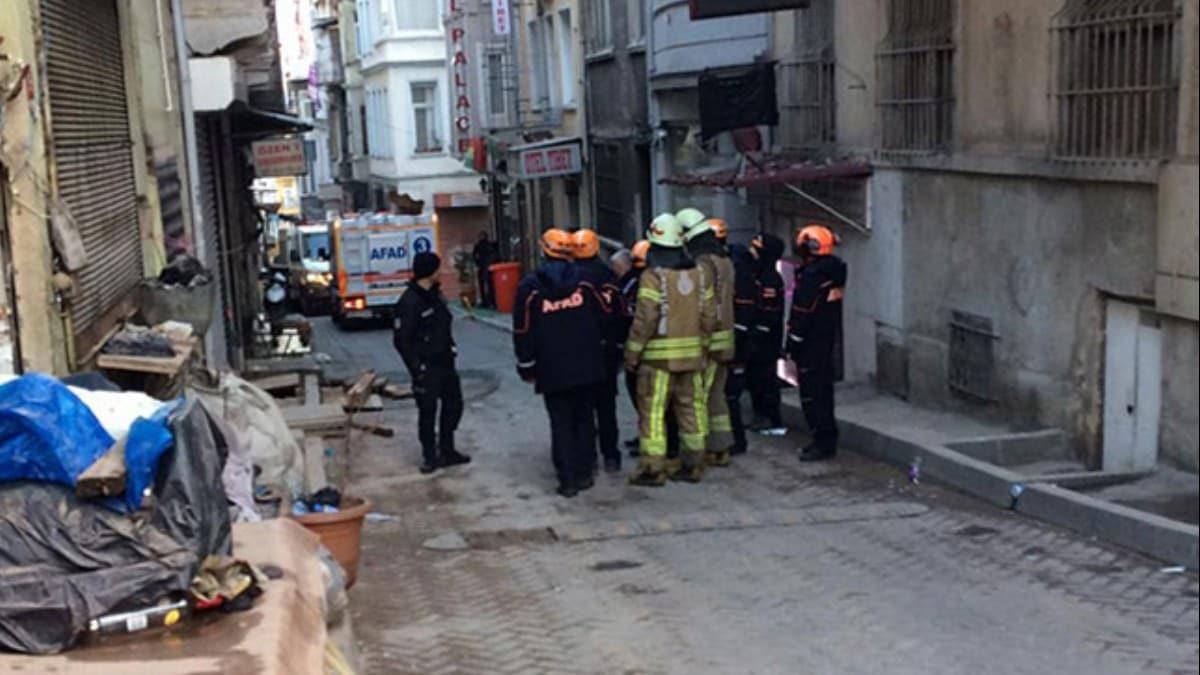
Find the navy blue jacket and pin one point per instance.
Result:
(558, 325)
(595, 272)
(816, 316)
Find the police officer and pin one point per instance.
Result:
(767, 339)
(422, 334)
(705, 244)
(813, 330)
(745, 314)
(557, 324)
(667, 346)
(603, 279)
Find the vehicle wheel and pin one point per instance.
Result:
(339, 319)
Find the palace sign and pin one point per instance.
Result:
(460, 70)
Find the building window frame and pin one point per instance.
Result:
(915, 66)
(1115, 79)
(565, 58)
(497, 90)
(404, 11)
(809, 79)
(635, 23)
(428, 108)
(599, 33)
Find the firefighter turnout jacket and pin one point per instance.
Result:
(675, 318)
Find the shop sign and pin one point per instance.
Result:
(279, 157)
(460, 71)
(556, 160)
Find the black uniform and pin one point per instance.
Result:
(813, 331)
(601, 277)
(557, 325)
(422, 335)
(629, 290)
(485, 255)
(745, 304)
(767, 335)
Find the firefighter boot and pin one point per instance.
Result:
(720, 459)
(691, 468)
(650, 472)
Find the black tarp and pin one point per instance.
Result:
(731, 101)
(64, 561)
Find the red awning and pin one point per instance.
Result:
(773, 170)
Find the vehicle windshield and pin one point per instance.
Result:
(315, 245)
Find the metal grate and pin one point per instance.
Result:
(915, 64)
(1116, 78)
(808, 80)
(972, 362)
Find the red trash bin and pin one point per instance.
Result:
(505, 277)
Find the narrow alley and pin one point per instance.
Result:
(767, 567)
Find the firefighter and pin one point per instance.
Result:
(557, 324)
(422, 334)
(813, 332)
(745, 311)
(601, 277)
(667, 346)
(704, 245)
(627, 281)
(767, 341)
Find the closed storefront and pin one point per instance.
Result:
(92, 153)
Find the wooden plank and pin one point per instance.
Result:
(314, 417)
(277, 382)
(314, 464)
(147, 364)
(396, 391)
(358, 392)
(106, 476)
(312, 390)
(372, 404)
(375, 429)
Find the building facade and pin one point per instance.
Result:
(406, 102)
(1030, 251)
(619, 134)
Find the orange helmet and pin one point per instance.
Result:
(638, 253)
(816, 239)
(719, 227)
(587, 244)
(558, 244)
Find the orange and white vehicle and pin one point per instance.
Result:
(372, 260)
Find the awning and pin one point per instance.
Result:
(249, 122)
(771, 170)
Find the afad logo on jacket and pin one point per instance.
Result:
(573, 301)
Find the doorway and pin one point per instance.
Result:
(1132, 386)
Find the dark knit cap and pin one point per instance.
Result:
(425, 265)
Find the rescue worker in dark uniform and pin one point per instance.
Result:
(485, 254)
(628, 283)
(422, 334)
(745, 314)
(813, 331)
(601, 277)
(767, 340)
(558, 321)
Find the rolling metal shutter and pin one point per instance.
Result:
(93, 154)
(210, 215)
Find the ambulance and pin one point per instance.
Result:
(372, 261)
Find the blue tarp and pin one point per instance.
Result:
(47, 434)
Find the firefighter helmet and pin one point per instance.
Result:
(558, 244)
(638, 253)
(665, 231)
(816, 240)
(690, 219)
(587, 244)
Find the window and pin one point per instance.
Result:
(366, 26)
(363, 130)
(538, 58)
(417, 14)
(1115, 79)
(916, 76)
(635, 11)
(566, 59)
(497, 86)
(379, 124)
(610, 207)
(599, 26)
(808, 80)
(424, 103)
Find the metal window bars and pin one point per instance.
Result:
(808, 91)
(915, 65)
(1115, 79)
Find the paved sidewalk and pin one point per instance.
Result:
(768, 567)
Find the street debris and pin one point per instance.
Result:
(450, 541)
(1177, 569)
(914, 471)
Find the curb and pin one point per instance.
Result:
(503, 324)
(1153, 535)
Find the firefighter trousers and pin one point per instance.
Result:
(683, 394)
(720, 426)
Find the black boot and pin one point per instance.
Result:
(454, 458)
(814, 454)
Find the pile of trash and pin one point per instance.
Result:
(110, 505)
(183, 291)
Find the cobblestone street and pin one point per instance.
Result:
(768, 567)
